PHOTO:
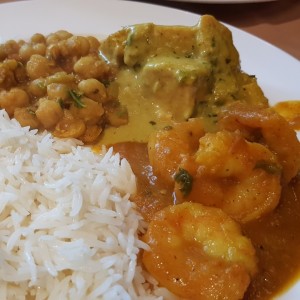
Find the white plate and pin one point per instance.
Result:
(278, 73)
(223, 1)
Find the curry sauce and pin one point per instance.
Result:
(275, 236)
(133, 91)
(277, 242)
(290, 110)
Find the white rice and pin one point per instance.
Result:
(67, 227)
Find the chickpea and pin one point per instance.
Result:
(93, 89)
(10, 73)
(91, 134)
(94, 44)
(39, 48)
(37, 87)
(26, 117)
(63, 34)
(57, 91)
(21, 43)
(11, 64)
(91, 67)
(60, 35)
(53, 51)
(60, 77)
(3, 53)
(56, 50)
(91, 113)
(52, 39)
(12, 99)
(38, 38)
(68, 127)
(7, 78)
(11, 47)
(26, 50)
(75, 46)
(38, 66)
(49, 113)
(20, 73)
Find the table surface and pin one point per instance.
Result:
(276, 22)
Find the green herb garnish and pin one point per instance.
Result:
(130, 37)
(76, 97)
(168, 127)
(122, 112)
(185, 180)
(31, 111)
(269, 167)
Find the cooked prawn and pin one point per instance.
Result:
(199, 253)
(241, 177)
(219, 169)
(268, 128)
(167, 147)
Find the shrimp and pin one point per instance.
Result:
(268, 126)
(167, 147)
(199, 253)
(220, 169)
(240, 177)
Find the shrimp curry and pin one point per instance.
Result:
(202, 135)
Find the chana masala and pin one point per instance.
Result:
(217, 168)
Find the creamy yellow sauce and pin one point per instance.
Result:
(142, 112)
(172, 73)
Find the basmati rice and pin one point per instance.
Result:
(67, 227)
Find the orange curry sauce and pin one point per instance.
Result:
(290, 110)
(275, 236)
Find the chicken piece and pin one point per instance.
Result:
(199, 253)
(171, 74)
(176, 77)
(173, 85)
(161, 81)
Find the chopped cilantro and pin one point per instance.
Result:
(76, 97)
(269, 167)
(185, 180)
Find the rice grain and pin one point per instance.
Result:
(68, 228)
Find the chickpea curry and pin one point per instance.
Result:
(58, 83)
(217, 168)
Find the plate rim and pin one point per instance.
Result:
(237, 34)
